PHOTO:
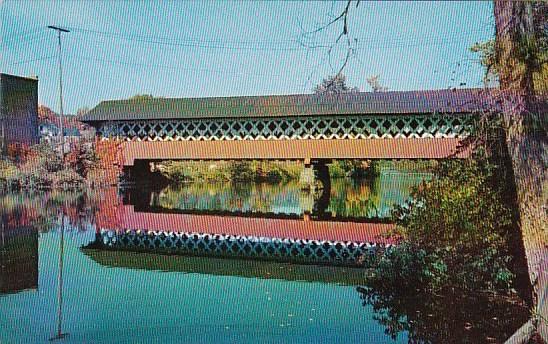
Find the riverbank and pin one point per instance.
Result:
(42, 167)
(223, 171)
(274, 172)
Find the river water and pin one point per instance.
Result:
(54, 281)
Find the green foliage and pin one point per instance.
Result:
(410, 268)
(355, 169)
(336, 170)
(459, 216)
(459, 207)
(278, 172)
(240, 171)
(486, 52)
(235, 171)
(453, 253)
(410, 166)
(532, 50)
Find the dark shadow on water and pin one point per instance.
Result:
(450, 318)
(18, 257)
(247, 268)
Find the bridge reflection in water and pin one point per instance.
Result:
(259, 222)
(247, 268)
(346, 243)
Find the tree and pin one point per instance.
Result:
(82, 111)
(520, 52)
(520, 58)
(460, 218)
(334, 84)
(486, 51)
(539, 53)
(375, 84)
(142, 97)
(46, 114)
(518, 55)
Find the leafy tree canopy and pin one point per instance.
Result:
(334, 84)
(143, 97)
(375, 84)
(536, 50)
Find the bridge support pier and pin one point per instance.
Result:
(316, 179)
(315, 175)
(143, 172)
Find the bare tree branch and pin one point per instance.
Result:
(344, 34)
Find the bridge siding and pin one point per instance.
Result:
(292, 128)
(293, 149)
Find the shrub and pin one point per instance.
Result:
(106, 163)
(240, 171)
(337, 170)
(40, 168)
(8, 174)
(453, 246)
(408, 267)
(82, 158)
(174, 171)
(355, 169)
(33, 176)
(66, 179)
(459, 221)
(271, 172)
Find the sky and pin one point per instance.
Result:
(117, 49)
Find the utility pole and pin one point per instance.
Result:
(59, 334)
(61, 116)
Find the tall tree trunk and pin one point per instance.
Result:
(525, 123)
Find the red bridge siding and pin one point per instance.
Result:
(126, 218)
(422, 148)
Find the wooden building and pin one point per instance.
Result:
(18, 111)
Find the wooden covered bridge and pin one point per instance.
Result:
(313, 128)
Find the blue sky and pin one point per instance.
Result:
(196, 49)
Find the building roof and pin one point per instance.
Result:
(401, 102)
(11, 76)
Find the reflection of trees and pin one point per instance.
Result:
(372, 198)
(247, 197)
(449, 318)
(43, 210)
(355, 198)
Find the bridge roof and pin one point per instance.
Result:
(400, 102)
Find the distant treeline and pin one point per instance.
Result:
(275, 172)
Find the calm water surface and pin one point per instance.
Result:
(116, 296)
(366, 199)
